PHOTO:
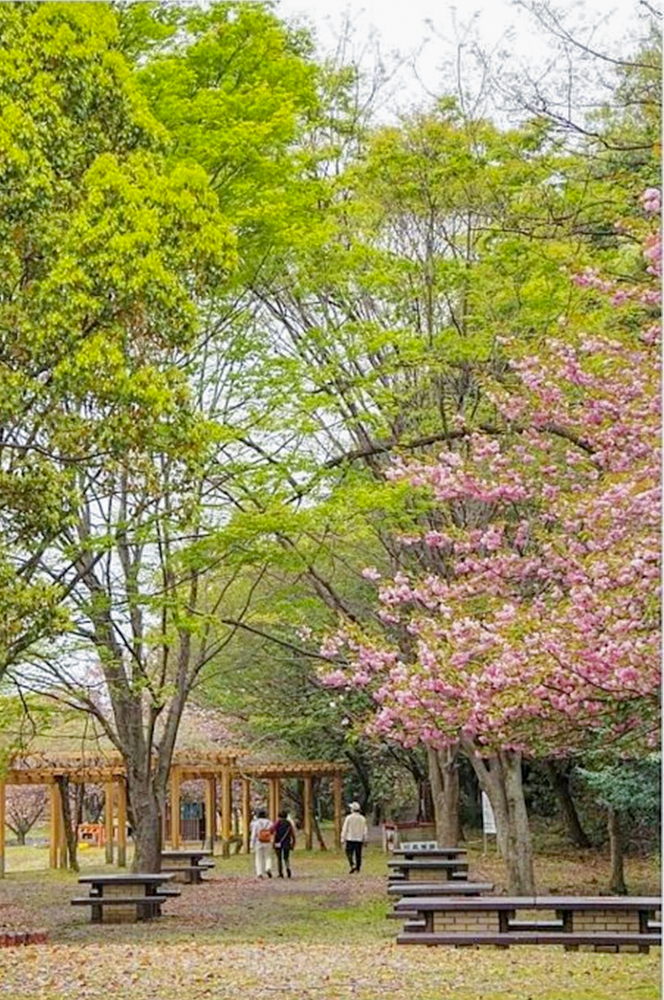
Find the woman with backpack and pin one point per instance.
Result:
(260, 843)
(283, 834)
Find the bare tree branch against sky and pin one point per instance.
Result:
(438, 41)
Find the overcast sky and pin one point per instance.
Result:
(429, 31)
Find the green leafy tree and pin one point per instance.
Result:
(107, 249)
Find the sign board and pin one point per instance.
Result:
(488, 819)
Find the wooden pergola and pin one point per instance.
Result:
(218, 770)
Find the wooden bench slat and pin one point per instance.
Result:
(517, 937)
(186, 868)
(437, 888)
(445, 903)
(117, 900)
(424, 864)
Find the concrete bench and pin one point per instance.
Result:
(408, 890)
(145, 907)
(608, 923)
(607, 941)
(428, 869)
(191, 874)
(125, 898)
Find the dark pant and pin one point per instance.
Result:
(283, 858)
(354, 854)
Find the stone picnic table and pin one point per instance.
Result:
(125, 898)
(190, 863)
(427, 869)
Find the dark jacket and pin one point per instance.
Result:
(283, 834)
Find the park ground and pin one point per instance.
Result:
(321, 936)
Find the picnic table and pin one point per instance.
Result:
(428, 869)
(414, 851)
(125, 898)
(605, 923)
(187, 862)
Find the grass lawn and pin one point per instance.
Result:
(321, 935)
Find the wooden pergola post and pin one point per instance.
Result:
(53, 826)
(308, 809)
(273, 798)
(122, 823)
(226, 810)
(337, 790)
(175, 808)
(246, 814)
(164, 825)
(108, 820)
(210, 812)
(62, 836)
(2, 828)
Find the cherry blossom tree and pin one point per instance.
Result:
(25, 805)
(540, 633)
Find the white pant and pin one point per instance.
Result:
(263, 858)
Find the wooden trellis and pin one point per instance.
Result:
(218, 769)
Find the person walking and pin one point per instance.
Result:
(260, 843)
(353, 836)
(283, 834)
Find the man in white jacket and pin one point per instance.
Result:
(353, 836)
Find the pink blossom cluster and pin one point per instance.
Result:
(544, 626)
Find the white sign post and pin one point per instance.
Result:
(488, 818)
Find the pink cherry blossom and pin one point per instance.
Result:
(543, 628)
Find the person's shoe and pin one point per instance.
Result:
(269, 874)
(281, 874)
(351, 870)
(288, 872)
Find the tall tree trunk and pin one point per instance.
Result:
(364, 777)
(319, 836)
(444, 778)
(314, 817)
(79, 800)
(425, 810)
(21, 833)
(500, 777)
(617, 848)
(146, 830)
(69, 825)
(560, 783)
